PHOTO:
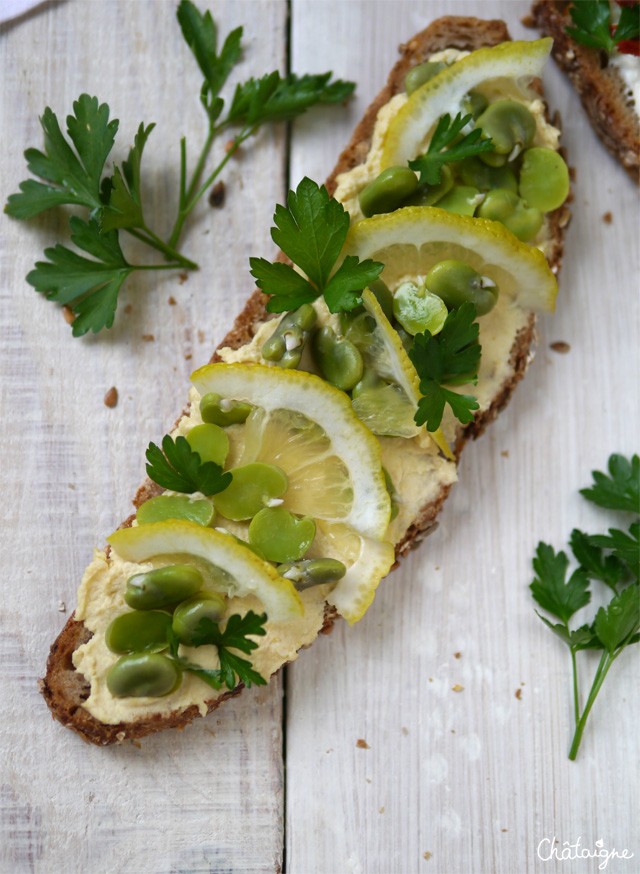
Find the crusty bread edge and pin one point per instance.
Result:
(65, 689)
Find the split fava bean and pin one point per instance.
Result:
(162, 587)
(461, 199)
(286, 345)
(281, 536)
(338, 359)
(165, 507)
(544, 179)
(253, 487)
(510, 126)
(418, 310)
(388, 191)
(472, 171)
(474, 104)
(457, 283)
(429, 195)
(210, 442)
(139, 631)
(420, 74)
(216, 410)
(188, 615)
(312, 572)
(143, 675)
(506, 207)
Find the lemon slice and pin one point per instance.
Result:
(517, 61)
(411, 240)
(392, 411)
(307, 427)
(248, 574)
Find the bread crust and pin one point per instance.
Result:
(600, 86)
(64, 688)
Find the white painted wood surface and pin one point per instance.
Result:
(475, 779)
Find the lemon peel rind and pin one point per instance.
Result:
(254, 576)
(356, 590)
(275, 388)
(519, 59)
(492, 245)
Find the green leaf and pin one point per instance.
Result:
(606, 568)
(70, 177)
(444, 150)
(616, 623)
(435, 397)
(625, 547)
(628, 26)
(235, 636)
(288, 289)
(343, 291)
(90, 287)
(592, 19)
(177, 467)
(552, 591)
(620, 490)
(124, 208)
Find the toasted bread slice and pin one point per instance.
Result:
(64, 688)
(602, 89)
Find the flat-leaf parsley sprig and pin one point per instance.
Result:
(614, 560)
(179, 468)
(311, 230)
(593, 26)
(70, 171)
(443, 148)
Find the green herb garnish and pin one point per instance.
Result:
(70, 171)
(444, 150)
(235, 636)
(612, 559)
(178, 467)
(311, 230)
(448, 358)
(592, 19)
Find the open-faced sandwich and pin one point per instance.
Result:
(320, 443)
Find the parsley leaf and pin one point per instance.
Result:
(609, 569)
(70, 177)
(625, 547)
(178, 467)
(446, 132)
(448, 358)
(592, 19)
(620, 490)
(311, 230)
(235, 636)
(619, 621)
(124, 207)
(553, 592)
(89, 287)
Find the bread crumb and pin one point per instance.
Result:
(505, 453)
(518, 694)
(69, 315)
(62, 607)
(457, 688)
(362, 744)
(148, 338)
(172, 301)
(457, 655)
(504, 829)
(111, 397)
(405, 730)
(528, 20)
(128, 309)
(427, 855)
(572, 173)
(607, 218)
(229, 145)
(188, 356)
(368, 779)
(201, 336)
(560, 346)
(453, 731)
(381, 810)
(217, 195)
(182, 278)
(431, 679)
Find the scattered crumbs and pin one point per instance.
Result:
(381, 810)
(505, 453)
(528, 20)
(229, 145)
(111, 397)
(217, 194)
(427, 855)
(128, 309)
(330, 750)
(457, 688)
(457, 655)
(607, 218)
(431, 679)
(62, 607)
(405, 730)
(137, 744)
(188, 356)
(518, 694)
(72, 486)
(572, 173)
(201, 336)
(362, 744)
(368, 779)
(182, 278)
(453, 731)
(522, 683)
(148, 338)
(69, 315)
(172, 301)
(560, 346)
(437, 567)
(504, 829)
(91, 796)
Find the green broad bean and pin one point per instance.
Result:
(210, 442)
(388, 191)
(370, 380)
(188, 615)
(511, 127)
(420, 74)
(506, 207)
(461, 199)
(216, 410)
(312, 572)
(165, 507)
(143, 675)
(544, 179)
(281, 536)
(337, 358)
(474, 104)
(286, 345)
(392, 493)
(162, 586)
(138, 631)
(418, 310)
(472, 171)
(457, 283)
(429, 195)
(253, 487)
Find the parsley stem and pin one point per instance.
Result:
(147, 236)
(576, 698)
(603, 668)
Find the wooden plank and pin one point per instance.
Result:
(211, 798)
(473, 781)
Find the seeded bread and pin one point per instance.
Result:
(602, 90)
(63, 687)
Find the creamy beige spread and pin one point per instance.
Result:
(416, 468)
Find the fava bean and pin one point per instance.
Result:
(281, 536)
(210, 442)
(138, 631)
(418, 310)
(312, 572)
(165, 507)
(544, 179)
(188, 615)
(392, 493)
(457, 283)
(217, 410)
(461, 199)
(511, 127)
(286, 345)
(370, 379)
(472, 171)
(253, 487)
(162, 586)
(430, 195)
(388, 191)
(474, 103)
(506, 207)
(143, 675)
(338, 359)
(420, 74)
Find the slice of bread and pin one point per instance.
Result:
(64, 688)
(602, 90)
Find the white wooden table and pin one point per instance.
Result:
(466, 783)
